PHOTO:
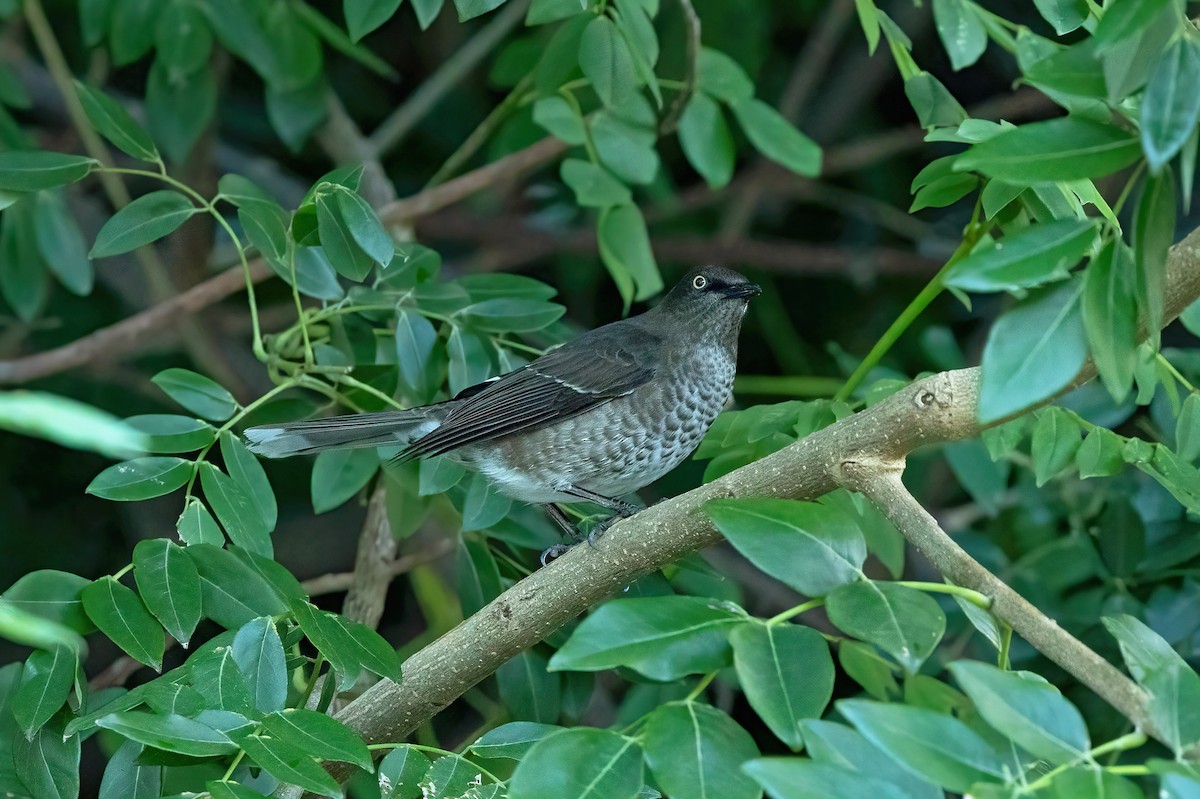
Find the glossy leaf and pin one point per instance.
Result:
(581, 763)
(722, 77)
(290, 765)
(594, 187)
(415, 339)
(237, 512)
(529, 691)
(245, 470)
(125, 778)
(340, 474)
(786, 672)
(706, 140)
(144, 221)
(697, 751)
(401, 772)
(1056, 439)
(347, 257)
(625, 250)
(169, 585)
(606, 61)
(259, 655)
(171, 733)
(1066, 148)
(961, 30)
(511, 315)
(45, 682)
(141, 478)
(199, 394)
(197, 526)
(349, 646)
(903, 622)
(1110, 317)
(1153, 235)
(1171, 103)
(512, 740)
(364, 226)
(1187, 429)
(1033, 256)
(1033, 351)
(52, 595)
(558, 117)
(364, 16)
(34, 170)
(938, 747)
(167, 433)
(1025, 708)
(114, 123)
(121, 615)
(232, 593)
(179, 107)
(811, 547)
(319, 735)
(48, 763)
(61, 244)
(842, 745)
(776, 138)
(794, 778)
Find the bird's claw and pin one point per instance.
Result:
(550, 553)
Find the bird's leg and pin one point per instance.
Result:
(560, 518)
(618, 506)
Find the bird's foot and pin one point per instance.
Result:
(601, 527)
(554, 552)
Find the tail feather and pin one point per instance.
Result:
(339, 432)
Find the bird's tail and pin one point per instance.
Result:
(339, 432)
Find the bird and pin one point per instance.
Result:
(593, 420)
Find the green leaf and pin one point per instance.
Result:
(720, 76)
(1030, 257)
(943, 191)
(48, 764)
(511, 315)
(340, 474)
(145, 220)
(167, 433)
(197, 393)
(141, 478)
(218, 789)
(625, 250)
(347, 645)
(1153, 234)
(22, 272)
(52, 595)
(61, 244)
(512, 740)
(663, 638)
(197, 526)
(961, 30)
(903, 622)
(183, 39)
(34, 170)
(415, 339)
(606, 61)
(237, 512)
(169, 585)
(171, 733)
(560, 58)
(558, 117)
(1187, 429)
(120, 615)
(232, 593)
(438, 475)
(626, 148)
(401, 772)
(543, 11)
(247, 472)
(46, 681)
(1063, 15)
(580, 763)
(940, 748)
(296, 112)
(482, 287)
(776, 138)
(364, 16)
(214, 673)
(1033, 351)
(811, 547)
(126, 778)
(319, 735)
(469, 9)
(69, 423)
(1067, 148)
(528, 690)
(1171, 103)
(259, 655)
(786, 672)
(1174, 705)
(841, 745)
(470, 363)
(114, 123)
(1055, 441)
(934, 104)
(593, 185)
(179, 107)
(1024, 707)
(1100, 454)
(794, 778)
(131, 29)
(364, 226)
(1110, 317)
(347, 257)
(697, 751)
(706, 141)
(1124, 20)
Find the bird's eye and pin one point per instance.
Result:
(699, 282)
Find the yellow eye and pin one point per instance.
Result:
(699, 282)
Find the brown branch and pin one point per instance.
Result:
(691, 24)
(130, 333)
(373, 562)
(938, 409)
(336, 582)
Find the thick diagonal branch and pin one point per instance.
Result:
(934, 410)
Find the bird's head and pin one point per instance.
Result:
(713, 297)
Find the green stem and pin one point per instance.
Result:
(796, 611)
(974, 597)
(374, 392)
(1130, 741)
(705, 681)
(481, 134)
(308, 351)
(1128, 187)
(236, 759)
(786, 385)
(1183, 381)
(316, 672)
(123, 571)
(1006, 633)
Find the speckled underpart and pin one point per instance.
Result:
(621, 446)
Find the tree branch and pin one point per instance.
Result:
(935, 410)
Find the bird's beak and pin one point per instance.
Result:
(742, 291)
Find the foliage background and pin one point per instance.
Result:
(840, 256)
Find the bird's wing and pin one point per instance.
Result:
(606, 363)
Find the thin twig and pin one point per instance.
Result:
(691, 23)
(336, 582)
(401, 122)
